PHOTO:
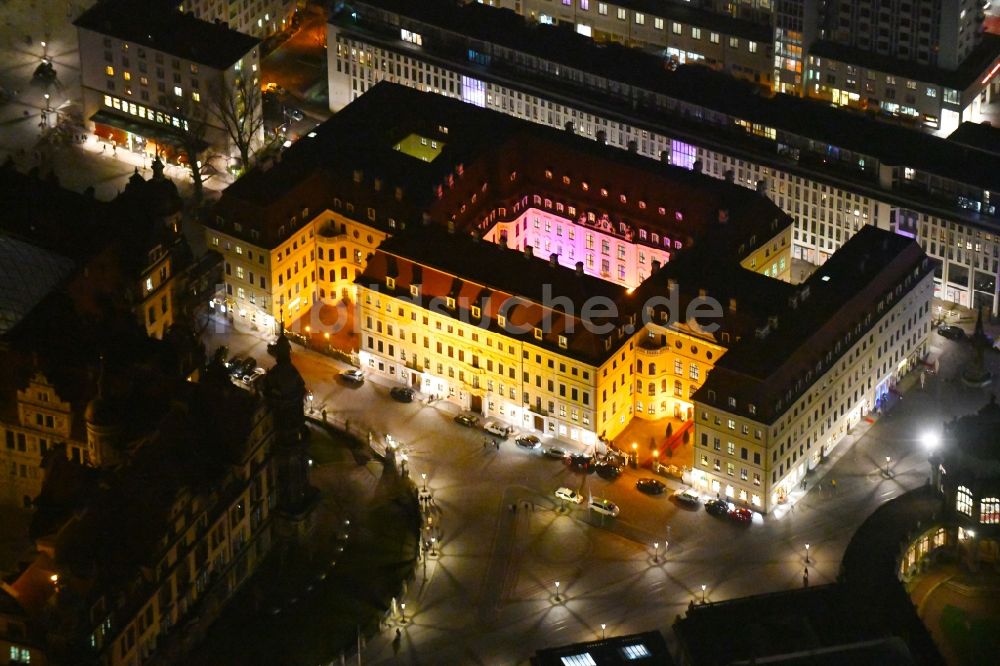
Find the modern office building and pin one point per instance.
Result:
(261, 18)
(924, 61)
(154, 78)
(834, 171)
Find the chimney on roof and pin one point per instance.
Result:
(732, 304)
(633, 146)
(570, 127)
(579, 268)
(451, 226)
(762, 186)
(602, 136)
(696, 167)
(529, 252)
(665, 156)
(656, 265)
(671, 284)
(553, 260)
(702, 293)
(730, 176)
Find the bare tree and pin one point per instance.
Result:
(190, 137)
(238, 110)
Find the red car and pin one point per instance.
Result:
(741, 515)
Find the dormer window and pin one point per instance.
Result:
(732, 401)
(566, 180)
(450, 302)
(585, 185)
(390, 283)
(548, 174)
(623, 198)
(562, 342)
(415, 291)
(501, 321)
(538, 333)
(476, 312)
(752, 408)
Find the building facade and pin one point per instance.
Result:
(765, 418)
(155, 81)
(832, 183)
(260, 19)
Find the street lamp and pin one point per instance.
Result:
(433, 547)
(931, 441)
(703, 593)
(557, 591)
(603, 626)
(807, 553)
(656, 461)
(887, 461)
(656, 551)
(424, 477)
(635, 453)
(402, 613)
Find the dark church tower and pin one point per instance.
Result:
(284, 390)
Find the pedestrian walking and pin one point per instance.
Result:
(496, 445)
(805, 577)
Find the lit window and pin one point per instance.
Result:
(989, 511)
(963, 501)
(178, 91)
(658, 23)
(752, 46)
(127, 76)
(196, 96)
(109, 70)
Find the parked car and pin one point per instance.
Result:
(495, 428)
(608, 470)
(741, 515)
(295, 114)
(717, 508)
(555, 452)
(353, 376)
(672, 470)
(687, 496)
(650, 486)
(569, 495)
(951, 332)
(251, 377)
(402, 393)
(604, 506)
(466, 420)
(580, 460)
(273, 87)
(528, 442)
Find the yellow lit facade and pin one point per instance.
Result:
(156, 286)
(315, 262)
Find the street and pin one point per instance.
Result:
(504, 564)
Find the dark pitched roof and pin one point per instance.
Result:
(820, 626)
(817, 315)
(499, 281)
(158, 25)
(976, 440)
(636, 649)
(980, 136)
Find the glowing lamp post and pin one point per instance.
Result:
(635, 454)
(703, 593)
(931, 441)
(424, 477)
(807, 553)
(656, 552)
(887, 461)
(603, 626)
(557, 591)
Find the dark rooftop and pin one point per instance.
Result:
(976, 438)
(817, 626)
(981, 136)
(640, 649)
(158, 25)
(837, 297)
(978, 61)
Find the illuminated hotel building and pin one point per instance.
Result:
(777, 404)
(152, 77)
(832, 171)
